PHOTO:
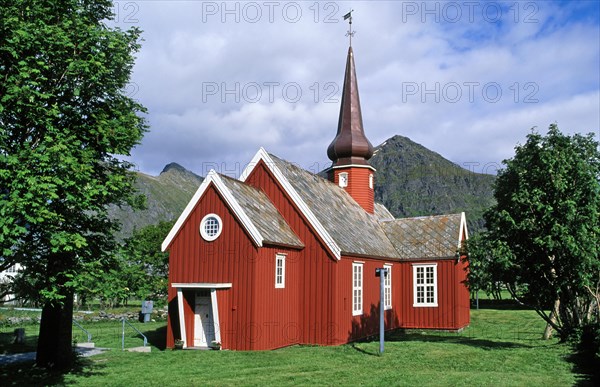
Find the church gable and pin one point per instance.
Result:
(251, 208)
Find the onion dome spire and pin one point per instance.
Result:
(350, 146)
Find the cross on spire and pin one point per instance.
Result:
(349, 33)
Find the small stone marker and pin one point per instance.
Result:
(19, 336)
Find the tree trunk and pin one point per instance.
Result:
(548, 331)
(54, 348)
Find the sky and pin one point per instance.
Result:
(466, 79)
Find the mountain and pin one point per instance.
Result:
(166, 196)
(411, 180)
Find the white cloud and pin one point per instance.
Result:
(218, 91)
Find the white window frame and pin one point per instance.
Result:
(387, 288)
(357, 288)
(425, 284)
(280, 278)
(371, 181)
(343, 179)
(206, 236)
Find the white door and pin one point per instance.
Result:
(204, 331)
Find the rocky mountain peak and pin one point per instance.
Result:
(173, 167)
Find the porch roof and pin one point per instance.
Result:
(201, 285)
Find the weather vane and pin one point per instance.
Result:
(350, 33)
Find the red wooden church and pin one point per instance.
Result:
(282, 256)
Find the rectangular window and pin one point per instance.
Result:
(425, 285)
(343, 179)
(280, 271)
(387, 288)
(357, 289)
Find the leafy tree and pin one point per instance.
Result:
(547, 224)
(488, 261)
(138, 270)
(148, 266)
(64, 123)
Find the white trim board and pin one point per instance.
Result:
(463, 226)
(351, 166)
(215, 313)
(201, 285)
(181, 317)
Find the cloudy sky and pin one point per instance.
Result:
(467, 79)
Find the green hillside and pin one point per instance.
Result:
(166, 196)
(411, 180)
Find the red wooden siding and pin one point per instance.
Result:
(355, 327)
(358, 186)
(229, 259)
(448, 314)
(275, 317)
(452, 312)
(463, 297)
(316, 274)
(463, 301)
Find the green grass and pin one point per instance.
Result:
(105, 334)
(501, 347)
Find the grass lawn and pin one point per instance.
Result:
(501, 347)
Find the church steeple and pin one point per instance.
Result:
(350, 146)
(350, 150)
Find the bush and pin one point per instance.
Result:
(589, 340)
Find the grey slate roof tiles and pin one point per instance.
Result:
(263, 213)
(425, 237)
(377, 235)
(355, 231)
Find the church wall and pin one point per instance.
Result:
(351, 328)
(452, 312)
(231, 258)
(463, 297)
(449, 314)
(316, 268)
(276, 313)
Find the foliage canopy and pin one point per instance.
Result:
(65, 123)
(543, 234)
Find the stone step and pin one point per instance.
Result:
(138, 349)
(85, 345)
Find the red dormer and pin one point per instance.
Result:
(350, 150)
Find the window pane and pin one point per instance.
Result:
(356, 288)
(211, 227)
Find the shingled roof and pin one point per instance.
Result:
(263, 213)
(354, 230)
(358, 233)
(426, 237)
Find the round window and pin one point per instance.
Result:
(211, 227)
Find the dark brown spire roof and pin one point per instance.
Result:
(350, 146)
